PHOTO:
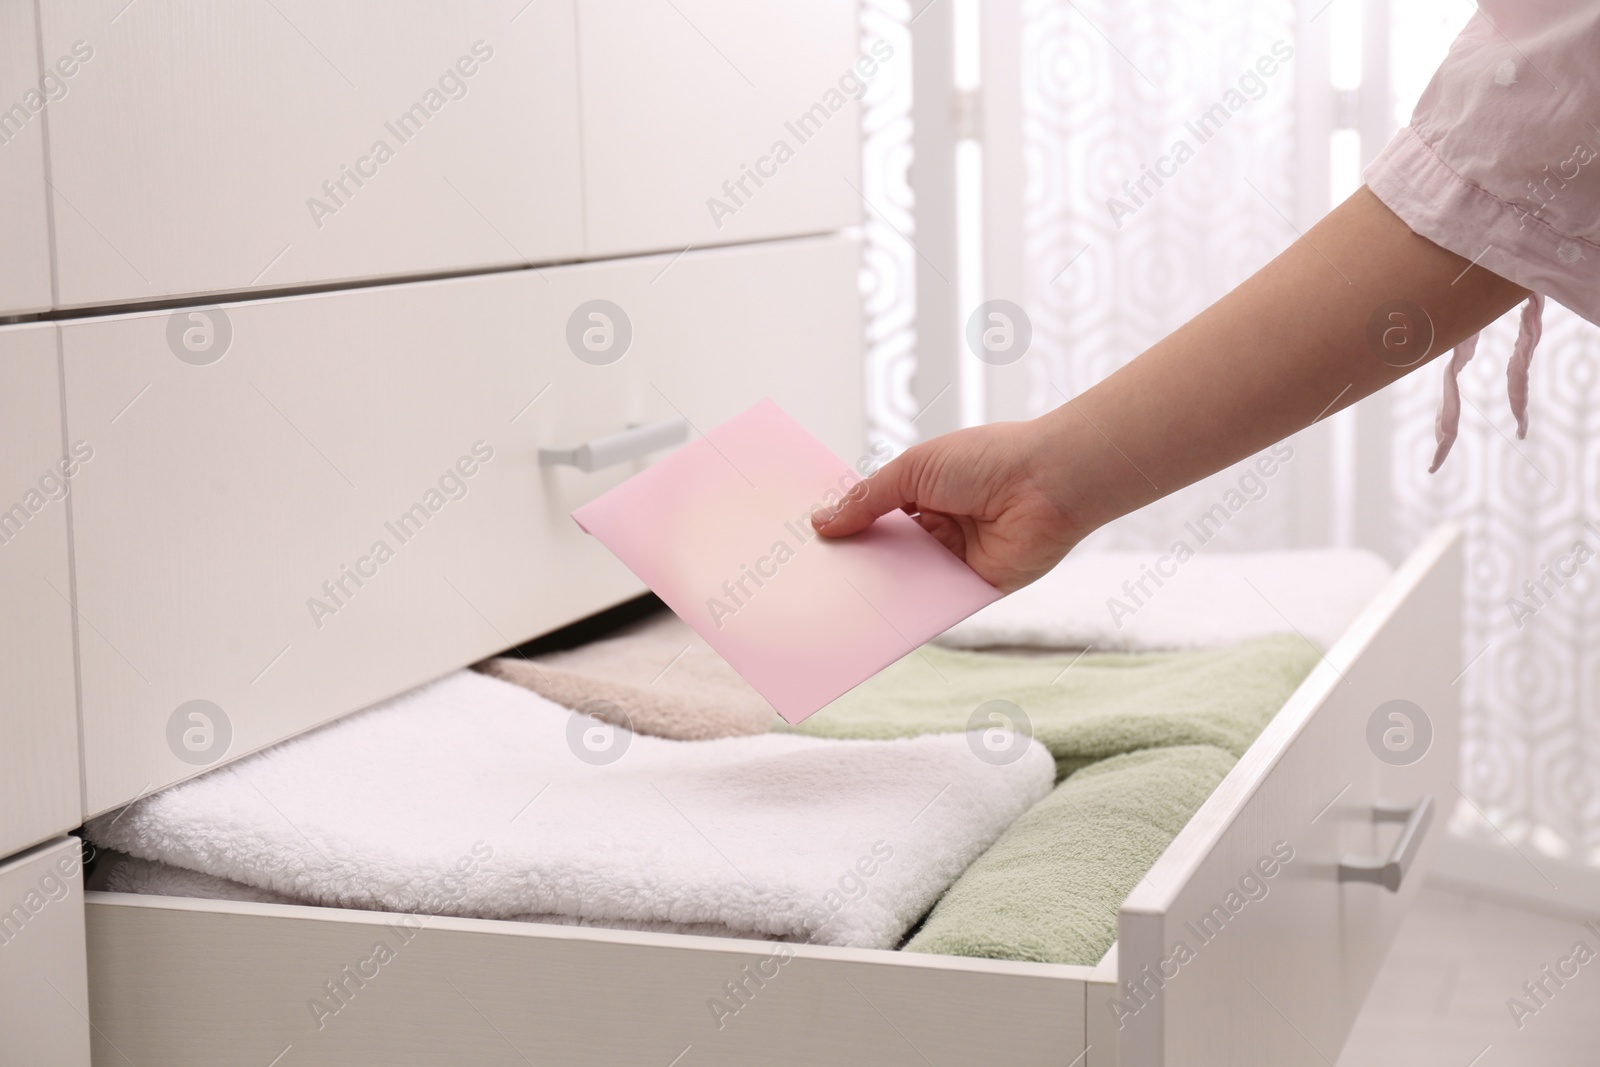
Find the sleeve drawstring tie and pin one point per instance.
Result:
(1448, 422)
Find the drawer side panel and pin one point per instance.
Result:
(1243, 946)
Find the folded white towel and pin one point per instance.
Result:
(1150, 601)
(116, 873)
(129, 874)
(468, 797)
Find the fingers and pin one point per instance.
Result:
(887, 490)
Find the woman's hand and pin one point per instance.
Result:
(981, 492)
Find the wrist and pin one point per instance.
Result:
(1048, 452)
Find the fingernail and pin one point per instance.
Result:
(821, 516)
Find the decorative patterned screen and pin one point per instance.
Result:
(1107, 88)
(888, 263)
(1113, 92)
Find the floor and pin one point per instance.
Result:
(1441, 999)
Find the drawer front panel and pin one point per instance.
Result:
(44, 990)
(39, 784)
(1243, 944)
(685, 106)
(497, 994)
(348, 501)
(24, 97)
(273, 145)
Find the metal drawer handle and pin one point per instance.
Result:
(1390, 871)
(617, 448)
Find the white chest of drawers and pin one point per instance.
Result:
(286, 271)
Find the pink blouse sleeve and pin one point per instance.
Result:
(1501, 165)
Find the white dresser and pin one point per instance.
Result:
(285, 282)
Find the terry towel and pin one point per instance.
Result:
(1147, 601)
(656, 676)
(1083, 707)
(118, 873)
(468, 796)
(1050, 888)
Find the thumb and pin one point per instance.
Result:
(887, 490)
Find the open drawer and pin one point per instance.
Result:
(1282, 919)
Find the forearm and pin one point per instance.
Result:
(1287, 347)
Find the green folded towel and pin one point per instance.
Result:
(1082, 708)
(1048, 890)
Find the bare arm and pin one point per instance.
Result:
(1282, 350)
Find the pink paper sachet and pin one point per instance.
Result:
(721, 531)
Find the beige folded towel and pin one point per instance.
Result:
(656, 676)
